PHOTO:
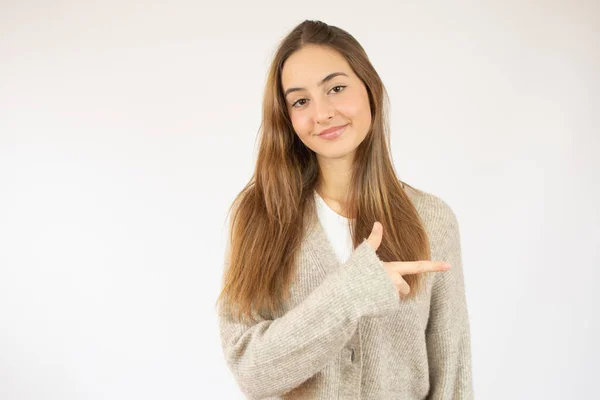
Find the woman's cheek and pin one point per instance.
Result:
(350, 108)
(301, 125)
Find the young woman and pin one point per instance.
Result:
(329, 288)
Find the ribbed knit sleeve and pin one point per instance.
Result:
(272, 357)
(448, 331)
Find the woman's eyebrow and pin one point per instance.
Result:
(327, 78)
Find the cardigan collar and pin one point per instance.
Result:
(318, 242)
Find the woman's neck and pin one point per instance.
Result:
(334, 179)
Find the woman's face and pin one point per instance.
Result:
(321, 92)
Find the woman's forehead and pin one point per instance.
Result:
(310, 65)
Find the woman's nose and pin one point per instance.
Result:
(324, 110)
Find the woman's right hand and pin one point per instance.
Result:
(396, 269)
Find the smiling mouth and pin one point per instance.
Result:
(331, 130)
(333, 133)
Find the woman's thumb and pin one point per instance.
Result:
(374, 238)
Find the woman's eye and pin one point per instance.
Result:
(296, 102)
(335, 87)
(339, 86)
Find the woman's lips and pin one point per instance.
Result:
(333, 134)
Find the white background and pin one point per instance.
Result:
(127, 127)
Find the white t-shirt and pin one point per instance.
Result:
(336, 227)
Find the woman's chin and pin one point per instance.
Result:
(336, 154)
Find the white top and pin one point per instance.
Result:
(336, 227)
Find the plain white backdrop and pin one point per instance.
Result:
(127, 127)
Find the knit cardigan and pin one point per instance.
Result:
(345, 333)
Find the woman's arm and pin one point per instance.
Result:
(272, 357)
(448, 331)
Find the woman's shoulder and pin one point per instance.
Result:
(433, 209)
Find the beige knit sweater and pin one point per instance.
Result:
(347, 334)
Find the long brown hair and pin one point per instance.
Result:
(267, 225)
